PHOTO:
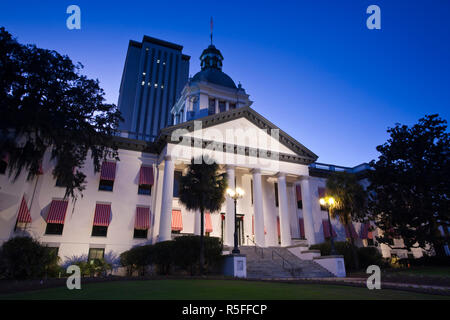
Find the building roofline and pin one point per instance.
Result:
(162, 43)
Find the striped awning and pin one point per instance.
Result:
(321, 192)
(301, 224)
(24, 212)
(57, 211)
(208, 222)
(326, 229)
(146, 175)
(365, 231)
(350, 231)
(142, 221)
(177, 221)
(102, 215)
(298, 191)
(108, 171)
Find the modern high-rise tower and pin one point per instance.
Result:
(155, 72)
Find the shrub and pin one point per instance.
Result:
(187, 252)
(343, 248)
(369, 256)
(164, 256)
(26, 258)
(137, 258)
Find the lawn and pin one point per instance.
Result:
(215, 289)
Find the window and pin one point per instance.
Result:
(232, 106)
(59, 183)
(299, 204)
(3, 166)
(140, 234)
(176, 183)
(106, 185)
(54, 228)
(222, 106)
(96, 253)
(99, 231)
(276, 194)
(211, 106)
(145, 189)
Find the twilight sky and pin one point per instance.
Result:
(311, 67)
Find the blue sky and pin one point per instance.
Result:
(311, 67)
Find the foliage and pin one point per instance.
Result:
(137, 258)
(183, 252)
(366, 255)
(47, 105)
(187, 252)
(203, 188)
(164, 256)
(26, 258)
(410, 189)
(350, 201)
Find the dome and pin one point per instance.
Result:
(211, 64)
(214, 76)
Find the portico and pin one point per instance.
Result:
(267, 214)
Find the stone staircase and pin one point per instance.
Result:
(279, 263)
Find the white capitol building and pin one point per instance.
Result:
(135, 200)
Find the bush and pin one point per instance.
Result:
(343, 248)
(369, 256)
(430, 261)
(187, 252)
(183, 252)
(366, 255)
(137, 258)
(26, 258)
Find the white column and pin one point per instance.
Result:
(258, 208)
(229, 215)
(165, 225)
(283, 205)
(227, 106)
(217, 106)
(307, 211)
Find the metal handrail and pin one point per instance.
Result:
(291, 269)
(257, 247)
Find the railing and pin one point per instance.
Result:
(291, 269)
(256, 247)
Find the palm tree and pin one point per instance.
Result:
(351, 201)
(202, 188)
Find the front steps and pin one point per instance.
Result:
(269, 265)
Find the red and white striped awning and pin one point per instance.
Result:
(298, 191)
(350, 231)
(321, 192)
(326, 229)
(365, 231)
(57, 211)
(102, 215)
(142, 221)
(24, 212)
(146, 175)
(208, 223)
(108, 171)
(177, 221)
(301, 224)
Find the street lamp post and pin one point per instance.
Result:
(235, 195)
(329, 202)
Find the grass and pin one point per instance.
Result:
(442, 272)
(215, 290)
